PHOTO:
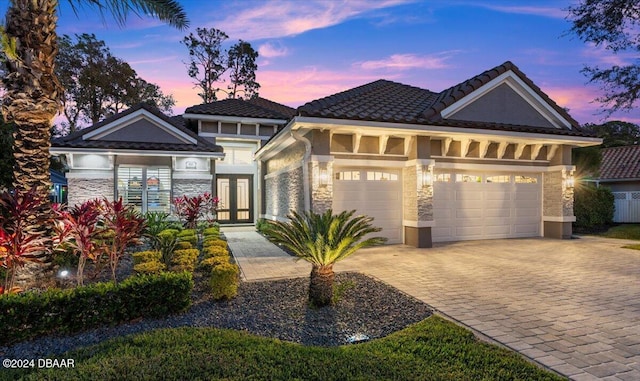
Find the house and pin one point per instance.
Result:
(487, 158)
(620, 171)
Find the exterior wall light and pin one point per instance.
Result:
(570, 182)
(426, 177)
(323, 177)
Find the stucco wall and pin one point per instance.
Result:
(290, 155)
(284, 192)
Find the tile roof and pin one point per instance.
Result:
(620, 163)
(74, 140)
(255, 108)
(387, 101)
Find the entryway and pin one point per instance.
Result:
(236, 198)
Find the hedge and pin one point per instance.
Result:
(593, 207)
(32, 314)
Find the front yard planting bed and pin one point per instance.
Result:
(429, 350)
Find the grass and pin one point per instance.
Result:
(627, 231)
(433, 349)
(634, 247)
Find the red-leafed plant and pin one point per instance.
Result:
(190, 209)
(22, 239)
(78, 229)
(127, 226)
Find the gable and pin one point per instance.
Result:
(140, 126)
(142, 130)
(507, 99)
(502, 105)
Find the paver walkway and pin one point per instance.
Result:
(573, 306)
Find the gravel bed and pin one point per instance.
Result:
(277, 309)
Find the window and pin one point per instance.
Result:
(463, 178)
(526, 180)
(237, 156)
(381, 176)
(147, 189)
(348, 175)
(442, 177)
(499, 179)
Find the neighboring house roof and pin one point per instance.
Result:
(254, 108)
(76, 139)
(620, 163)
(387, 101)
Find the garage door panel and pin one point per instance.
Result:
(379, 199)
(486, 210)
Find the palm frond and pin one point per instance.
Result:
(169, 11)
(324, 238)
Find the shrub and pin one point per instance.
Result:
(215, 251)
(183, 245)
(146, 256)
(213, 231)
(156, 222)
(207, 264)
(224, 281)
(187, 232)
(185, 260)
(214, 242)
(167, 243)
(169, 232)
(27, 315)
(149, 267)
(593, 207)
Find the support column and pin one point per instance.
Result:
(417, 178)
(321, 170)
(557, 208)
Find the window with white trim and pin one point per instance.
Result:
(147, 189)
(498, 179)
(348, 175)
(381, 176)
(442, 177)
(526, 180)
(465, 178)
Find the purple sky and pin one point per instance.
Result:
(310, 49)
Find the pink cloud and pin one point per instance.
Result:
(408, 61)
(272, 49)
(275, 19)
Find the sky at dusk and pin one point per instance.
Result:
(310, 49)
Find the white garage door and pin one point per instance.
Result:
(470, 206)
(373, 192)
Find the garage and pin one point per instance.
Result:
(468, 206)
(374, 192)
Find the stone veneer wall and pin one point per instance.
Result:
(558, 202)
(321, 195)
(417, 200)
(83, 189)
(284, 192)
(190, 187)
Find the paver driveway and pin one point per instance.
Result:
(573, 306)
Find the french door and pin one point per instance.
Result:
(236, 198)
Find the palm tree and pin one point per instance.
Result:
(33, 93)
(323, 239)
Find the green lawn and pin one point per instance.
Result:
(627, 231)
(433, 349)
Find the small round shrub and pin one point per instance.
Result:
(214, 242)
(146, 256)
(183, 245)
(215, 232)
(187, 232)
(215, 251)
(224, 281)
(185, 260)
(207, 264)
(150, 267)
(192, 239)
(169, 232)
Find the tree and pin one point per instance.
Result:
(97, 84)
(323, 239)
(6, 160)
(242, 63)
(613, 25)
(208, 63)
(616, 133)
(33, 92)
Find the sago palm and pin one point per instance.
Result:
(324, 239)
(33, 93)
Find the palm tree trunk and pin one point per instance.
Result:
(321, 285)
(31, 102)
